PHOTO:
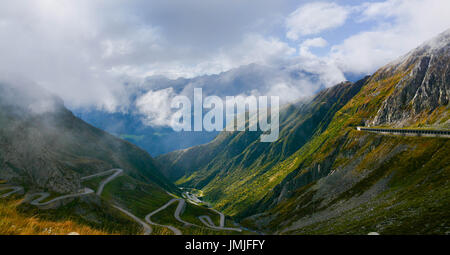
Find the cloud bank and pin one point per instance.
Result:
(129, 56)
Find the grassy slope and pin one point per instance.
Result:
(142, 198)
(139, 197)
(191, 214)
(409, 167)
(416, 202)
(92, 215)
(12, 222)
(50, 151)
(246, 187)
(81, 216)
(236, 170)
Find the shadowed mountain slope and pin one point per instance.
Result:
(44, 146)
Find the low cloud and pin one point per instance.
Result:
(291, 80)
(82, 50)
(155, 107)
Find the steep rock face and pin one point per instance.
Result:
(43, 146)
(424, 88)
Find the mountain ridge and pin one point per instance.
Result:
(340, 171)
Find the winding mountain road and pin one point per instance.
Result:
(209, 223)
(205, 219)
(44, 195)
(180, 209)
(116, 173)
(147, 228)
(86, 191)
(175, 230)
(222, 217)
(14, 189)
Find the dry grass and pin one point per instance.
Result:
(13, 222)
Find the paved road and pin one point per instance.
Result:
(222, 217)
(175, 230)
(192, 198)
(83, 192)
(180, 209)
(14, 189)
(205, 219)
(86, 191)
(116, 173)
(147, 228)
(209, 223)
(44, 195)
(400, 131)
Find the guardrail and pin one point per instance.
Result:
(416, 132)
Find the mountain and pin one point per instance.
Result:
(45, 148)
(424, 90)
(234, 154)
(59, 174)
(325, 177)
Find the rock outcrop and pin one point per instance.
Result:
(424, 88)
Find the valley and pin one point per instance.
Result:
(355, 158)
(69, 180)
(324, 176)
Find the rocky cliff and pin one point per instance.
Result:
(423, 89)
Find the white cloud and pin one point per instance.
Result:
(401, 26)
(290, 79)
(317, 42)
(313, 18)
(79, 49)
(254, 48)
(314, 42)
(54, 43)
(84, 50)
(155, 107)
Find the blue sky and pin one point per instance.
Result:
(84, 50)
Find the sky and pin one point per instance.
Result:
(86, 50)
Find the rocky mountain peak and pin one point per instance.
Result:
(423, 89)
